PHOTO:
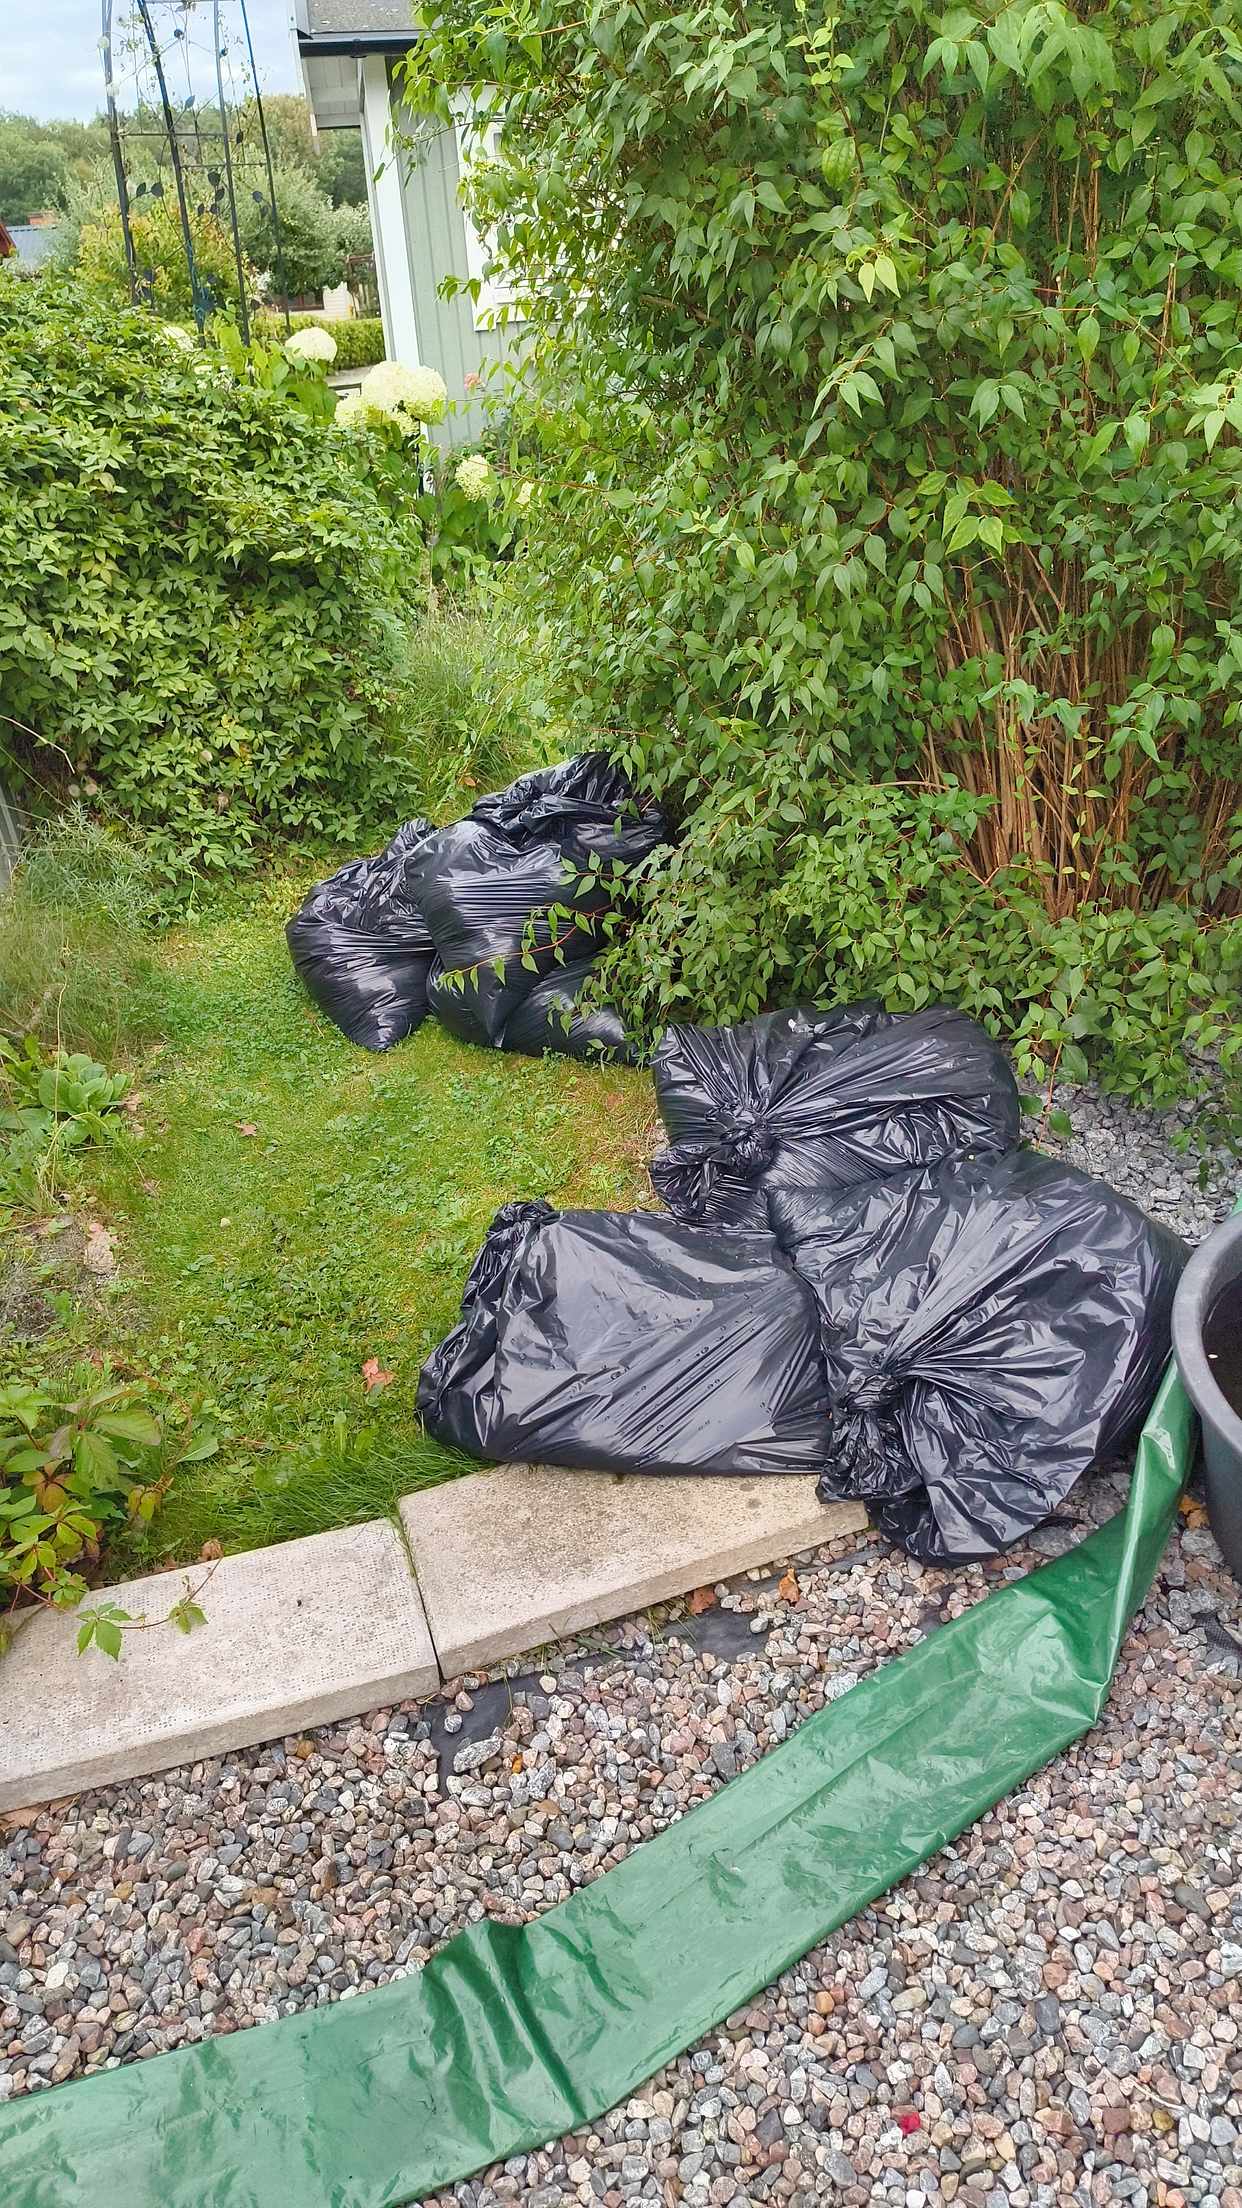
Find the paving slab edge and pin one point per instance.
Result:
(99, 1763)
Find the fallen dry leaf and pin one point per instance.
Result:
(375, 1376)
(97, 1251)
(703, 1598)
(788, 1588)
(1192, 1511)
(245, 1127)
(211, 1552)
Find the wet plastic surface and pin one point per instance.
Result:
(822, 1099)
(991, 1331)
(622, 1341)
(548, 1019)
(487, 884)
(511, 2036)
(361, 946)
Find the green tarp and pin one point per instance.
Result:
(511, 2036)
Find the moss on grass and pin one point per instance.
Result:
(294, 1207)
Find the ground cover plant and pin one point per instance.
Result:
(888, 375)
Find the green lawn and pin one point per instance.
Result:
(258, 1271)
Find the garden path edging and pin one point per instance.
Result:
(308, 1632)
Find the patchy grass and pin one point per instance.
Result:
(77, 965)
(292, 1207)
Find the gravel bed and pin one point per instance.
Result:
(1049, 2011)
(1146, 1156)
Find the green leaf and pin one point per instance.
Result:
(95, 1459)
(1136, 429)
(1088, 338)
(199, 1451)
(136, 1426)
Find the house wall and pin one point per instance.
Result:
(435, 231)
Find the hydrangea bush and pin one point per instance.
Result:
(889, 365)
(398, 397)
(311, 343)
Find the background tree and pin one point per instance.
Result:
(333, 157)
(33, 169)
(310, 232)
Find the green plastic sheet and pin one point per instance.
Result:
(510, 2036)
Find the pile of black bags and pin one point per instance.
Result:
(865, 1278)
(493, 923)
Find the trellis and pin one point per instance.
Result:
(212, 138)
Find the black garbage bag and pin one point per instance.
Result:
(549, 1020)
(487, 885)
(822, 1099)
(991, 1331)
(624, 1342)
(545, 1019)
(361, 947)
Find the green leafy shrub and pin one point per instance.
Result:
(161, 270)
(71, 1467)
(81, 1460)
(466, 531)
(55, 1103)
(888, 364)
(359, 337)
(198, 590)
(312, 248)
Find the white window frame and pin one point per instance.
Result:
(473, 137)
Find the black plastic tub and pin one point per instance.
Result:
(1210, 1271)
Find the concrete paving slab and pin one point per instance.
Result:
(508, 1560)
(296, 1635)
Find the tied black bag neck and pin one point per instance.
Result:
(991, 1332)
(822, 1099)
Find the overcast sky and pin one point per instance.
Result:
(49, 53)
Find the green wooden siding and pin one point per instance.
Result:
(436, 241)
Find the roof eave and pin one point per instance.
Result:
(333, 43)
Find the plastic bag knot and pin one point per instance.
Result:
(745, 1146)
(872, 1393)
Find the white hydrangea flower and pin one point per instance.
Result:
(173, 334)
(474, 477)
(350, 411)
(393, 388)
(312, 343)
